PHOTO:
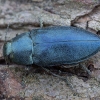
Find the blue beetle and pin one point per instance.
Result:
(52, 46)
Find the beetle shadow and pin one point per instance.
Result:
(58, 70)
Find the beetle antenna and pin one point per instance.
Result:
(6, 41)
(6, 33)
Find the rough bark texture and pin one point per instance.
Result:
(17, 83)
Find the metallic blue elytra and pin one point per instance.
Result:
(52, 46)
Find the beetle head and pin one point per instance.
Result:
(19, 50)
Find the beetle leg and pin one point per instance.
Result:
(16, 34)
(64, 79)
(27, 70)
(41, 22)
(85, 68)
(6, 32)
(98, 33)
(87, 25)
(28, 67)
